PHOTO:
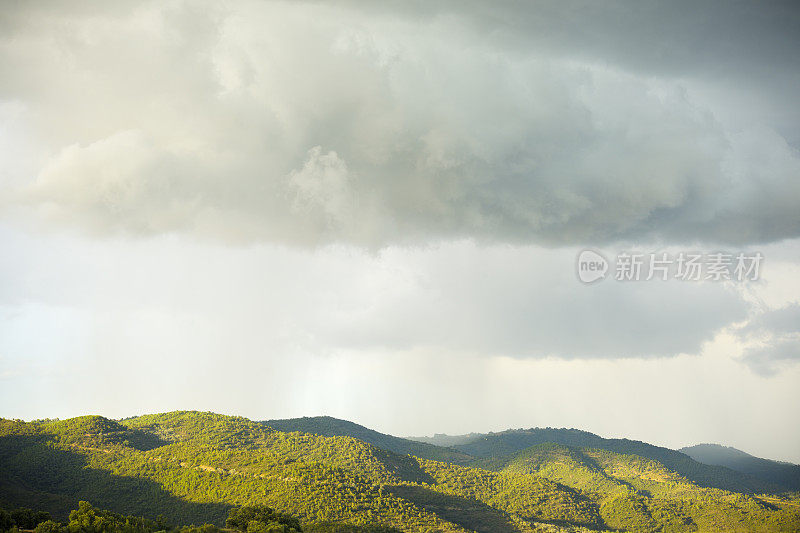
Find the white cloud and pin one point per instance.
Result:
(320, 193)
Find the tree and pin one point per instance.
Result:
(260, 518)
(48, 526)
(28, 518)
(5, 520)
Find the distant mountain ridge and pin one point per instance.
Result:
(783, 473)
(441, 439)
(473, 448)
(510, 441)
(328, 426)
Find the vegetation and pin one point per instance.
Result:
(333, 427)
(88, 519)
(204, 468)
(258, 518)
(508, 442)
(640, 494)
(784, 475)
(22, 518)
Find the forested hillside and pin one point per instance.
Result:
(441, 439)
(634, 492)
(194, 467)
(784, 474)
(705, 475)
(333, 427)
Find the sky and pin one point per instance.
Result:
(374, 211)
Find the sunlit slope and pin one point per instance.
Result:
(333, 427)
(636, 493)
(784, 474)
(192, 467)
(508, 442)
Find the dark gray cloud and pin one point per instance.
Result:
(743, 46)
(311, 123)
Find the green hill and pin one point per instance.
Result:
(333, 427)
(193, 467)
(206, 463)
(704, 475)
(784, 474)
(636, 493)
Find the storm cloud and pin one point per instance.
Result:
(321, 207)
(307, 124)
